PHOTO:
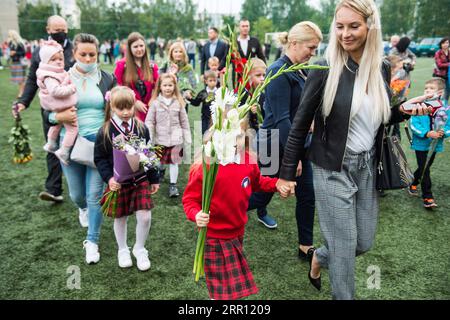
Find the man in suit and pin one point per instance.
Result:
(57, 30)
(213, 48)
(249, 47)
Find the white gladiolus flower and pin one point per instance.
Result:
(208, 149)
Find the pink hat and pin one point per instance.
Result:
(48, 50)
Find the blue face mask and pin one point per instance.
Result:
(87, 67)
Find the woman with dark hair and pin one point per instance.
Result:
(401, 50)
(442, 59)
(136, 72)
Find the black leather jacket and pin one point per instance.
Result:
(330, 135)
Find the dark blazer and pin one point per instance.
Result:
(221, 53)
(254, 50)
(202, 98)
(103, 155)
(19, 49)
(282, 98)
(330, 135)
(31, 85)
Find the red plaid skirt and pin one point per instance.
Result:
(171, 155)
(228, 276)
(131, 198)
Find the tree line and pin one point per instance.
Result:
(170, 19)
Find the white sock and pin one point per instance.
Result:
(173, 171)
(120, 231)
(144, 221)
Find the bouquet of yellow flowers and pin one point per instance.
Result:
(20, 139)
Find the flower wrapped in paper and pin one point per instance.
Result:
(132, 158)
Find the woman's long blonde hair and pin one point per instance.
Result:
(15, 38)
(369, 75)
(176, 92)
(178, 45)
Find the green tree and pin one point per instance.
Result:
(433, 18)
(254, 9)
(397, 17)
(261, 27)
(33, 20)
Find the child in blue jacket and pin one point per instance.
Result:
(424, 132)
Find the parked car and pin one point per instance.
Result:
(413, 47)
(428, 47)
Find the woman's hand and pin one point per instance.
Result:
(113, 185)
(173, 68)
(67, 116)
(140, 106)
(202, 219)
(154, 188)
(419, 108)
(286, 188)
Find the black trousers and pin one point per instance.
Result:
(53, 183)
(304, 207)
(426, 180)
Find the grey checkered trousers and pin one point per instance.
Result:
(347, 205)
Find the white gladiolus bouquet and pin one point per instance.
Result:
(228, 111)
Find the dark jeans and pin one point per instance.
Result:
(192, 59)
(304, 208)
(426, 180)
(53, 183)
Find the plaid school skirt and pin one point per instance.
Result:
(18, 73)
(131, 198)
(171, 155)
(228, 276)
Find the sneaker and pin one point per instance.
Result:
(412, 190)
(63, 156)
(268, 221)
(142, 260)
(124, 258)
(83, 217)
(47, 196)
(1, 68)
(50, 147)
(429, 203)
(92, 254)
(173, 191)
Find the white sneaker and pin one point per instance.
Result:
(83, 217)
(142, 260)
(124, 258)
(92, 254)
(63, 156)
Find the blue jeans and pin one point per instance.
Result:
(86, 189)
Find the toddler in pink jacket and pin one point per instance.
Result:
(57, 93)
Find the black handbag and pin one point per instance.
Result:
(393, 171)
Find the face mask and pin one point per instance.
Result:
(87, 67)
(59, 37)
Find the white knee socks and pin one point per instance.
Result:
(173, 170)
(120, 231)
(144, 220)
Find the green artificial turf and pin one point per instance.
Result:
(41, 242)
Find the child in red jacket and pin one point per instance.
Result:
(227, 273)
